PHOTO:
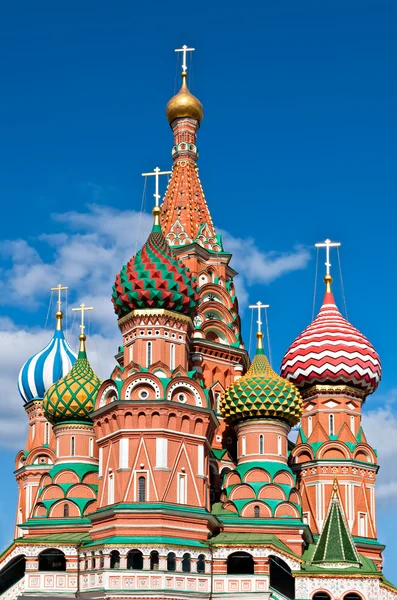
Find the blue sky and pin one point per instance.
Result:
(297, 144)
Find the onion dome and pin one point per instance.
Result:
(47, 366)
(331, 351)
(261, 393)
(72, 398)
(154, 278)
(184, 104)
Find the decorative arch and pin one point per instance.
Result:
(232, 478)
(38, 453)
(52, 559)
(333, 450)
(286, 510)
(364, 453)
(240, 563)
(108, 394)
(57, 510)
(138, 380)
(303, 453)
(257, 475)
(272, 492)
(184, 385)
(283, 478)
(256, 509)
(66, 477)
(242, 492)
(230, 506)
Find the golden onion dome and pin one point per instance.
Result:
(184, 104)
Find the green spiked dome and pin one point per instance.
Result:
(72, 398)
(154, 278)
(261, 393)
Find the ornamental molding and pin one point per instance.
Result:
(366, 586)
(139, 381)
(150, 312)
(188, 386)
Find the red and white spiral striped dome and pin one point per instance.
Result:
(330, 351)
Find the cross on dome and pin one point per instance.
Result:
(258, 306)
(156, 174)
(184, 50)
(82, 336)
(59, 314)
(327, 244)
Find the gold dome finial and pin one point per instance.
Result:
(82, 337)
(328, 280)
(59, 317)
(184, 104)
(156, 212)
(59, 313)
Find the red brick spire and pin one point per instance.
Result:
(185, 218)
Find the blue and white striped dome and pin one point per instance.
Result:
(46, 367)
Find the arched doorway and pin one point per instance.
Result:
(281, 579)
(52, 559)
(135, 560)
(240, 563)
(115, 559)
(12, 572)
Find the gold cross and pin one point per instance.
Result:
(83, 308)
(58, 289)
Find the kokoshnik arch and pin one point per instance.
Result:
(175, 477)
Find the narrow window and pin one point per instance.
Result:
(154, 560)
(161, 453)
(111, 488)
(217, 401)
(141, 489)
(182, 488)
(280, 445)
(201, 563)
(93, 561)
(243, 446)
(33, 430)
(171, 562)
(172, 357)
(309, 426)
(66, 510)
(72, 446)
(100, 462)
(352, 424)
(331, 424)
(123, 453)
(362, 525)
(91, 447)
(186, 563)
(200, 460)
(57, 447)
(256, 512)
(46, 433)
(261, 448)
(149, 354)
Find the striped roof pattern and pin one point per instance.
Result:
(154, 278)
(331, 351)
(45, 368)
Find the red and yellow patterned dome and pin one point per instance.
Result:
(331, 351)
(154, 278)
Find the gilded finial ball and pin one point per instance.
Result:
(328, 279)
(156, 212)
(59, 314)
(82, 337)
(184, 104)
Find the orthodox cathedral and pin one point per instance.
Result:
(175, 477)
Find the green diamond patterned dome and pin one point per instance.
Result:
(154, 278)
(72, 398)
(261, 393)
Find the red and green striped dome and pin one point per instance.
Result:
(154, 278)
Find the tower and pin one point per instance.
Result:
(336, 368)
(36, 376)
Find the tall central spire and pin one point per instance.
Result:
(185, 216)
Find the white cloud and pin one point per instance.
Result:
(380, 427)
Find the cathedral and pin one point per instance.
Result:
(176, 477)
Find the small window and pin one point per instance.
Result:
(46, 433)
(114, 559)
(256, 512)
(172, 357)
(154, 560)
(243, 446)
(186, 563)
(309, 426)
(331, 425)
(149, 354)
(261, 445)
(141, 489)
(93, 561)
(66, 510)
(362, 524)
(201, 563)
(182, 488)
(171, 561)
(352, 425)
(72, 446)
(91, 447)
(280, 445)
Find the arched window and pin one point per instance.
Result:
(171, 562)
(309, 426)
(201, 563)
(240, 563)
(110, 488)
(66, 510)
(186, 563)
(114, 559)
(52, 560)
(172, 357)
(141, 489)
(154, 560)
(46, 433)
(135, 560)
(243, 446)
(101, 560)
(91, 447)
(321, 596)
(281, 579)
(85, 562)
(280, 445)
(149, 354)
(72, 445)
(256, 512)
(93, 560)
(352, 424)
(261, 445)
(331, 425)
(352, 596)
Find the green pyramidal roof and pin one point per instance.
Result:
(335, 545)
